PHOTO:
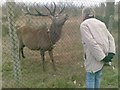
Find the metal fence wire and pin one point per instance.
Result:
(31, 17)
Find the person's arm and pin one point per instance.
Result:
(93, 46)
(111, 43)
(112, 50)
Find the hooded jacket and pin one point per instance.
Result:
(97, 43)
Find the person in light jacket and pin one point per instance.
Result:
(98, 44)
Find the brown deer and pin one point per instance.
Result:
(42, 39)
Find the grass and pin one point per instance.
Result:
(68, 59)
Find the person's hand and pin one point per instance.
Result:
(107, 59)
(110, 55)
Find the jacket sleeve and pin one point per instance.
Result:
(111, 43)
(92, 45)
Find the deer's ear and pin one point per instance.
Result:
(50, 16)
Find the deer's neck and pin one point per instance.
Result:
(55, 32)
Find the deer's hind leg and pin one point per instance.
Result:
(21, 51)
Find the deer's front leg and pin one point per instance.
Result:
(51, 57)
(43, 59)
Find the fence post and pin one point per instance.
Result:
(110, 24)
(1, 47)
(14, 42)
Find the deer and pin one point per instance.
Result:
(42, 39)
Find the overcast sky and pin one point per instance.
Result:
(48, 1)
(61, 0)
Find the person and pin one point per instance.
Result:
(99, 47)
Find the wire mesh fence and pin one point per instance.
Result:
(67, 51)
